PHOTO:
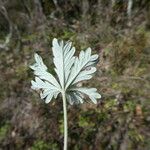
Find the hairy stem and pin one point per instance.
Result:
(65, 121)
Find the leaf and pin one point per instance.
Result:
(70, 70)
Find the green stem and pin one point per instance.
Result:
(65, 120)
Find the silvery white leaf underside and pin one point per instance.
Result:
(70, 70)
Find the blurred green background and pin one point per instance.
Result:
(117, 30)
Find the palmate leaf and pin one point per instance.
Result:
(70, 70)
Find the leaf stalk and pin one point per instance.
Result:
(65, 120)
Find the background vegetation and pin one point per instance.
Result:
(119, 31)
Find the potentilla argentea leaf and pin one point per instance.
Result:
(70, 70)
